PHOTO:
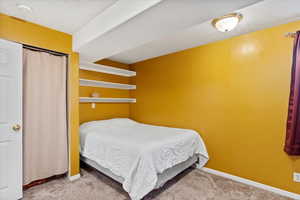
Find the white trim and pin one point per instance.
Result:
(69, 114)
(252, 183)
(106, 69)
(106, 100)
(75, 177)
(104, 84)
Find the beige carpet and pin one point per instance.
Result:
(192, 184)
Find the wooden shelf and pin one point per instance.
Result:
(106, 100)
(106, 69)
(104, 84)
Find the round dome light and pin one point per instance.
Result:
(227, 22)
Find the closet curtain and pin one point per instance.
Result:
(45, 140)
(292, 142)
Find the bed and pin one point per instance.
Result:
(141, 157)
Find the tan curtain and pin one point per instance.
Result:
(44, 116)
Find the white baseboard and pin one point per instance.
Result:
(252, 183)
(75, 177)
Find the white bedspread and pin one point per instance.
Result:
(138, 152)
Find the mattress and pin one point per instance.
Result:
(138, 152)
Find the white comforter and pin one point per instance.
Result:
(138, 152)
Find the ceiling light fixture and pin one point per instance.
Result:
(227, 22)
(24, 7)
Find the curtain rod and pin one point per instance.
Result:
(44, 50)
(290, 35)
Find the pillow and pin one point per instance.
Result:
(107, 123)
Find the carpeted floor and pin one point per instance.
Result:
(192, 184)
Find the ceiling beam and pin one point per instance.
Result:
(105, 39)
(117, 14)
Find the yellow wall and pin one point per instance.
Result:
(104, 110)
(235, 94)
(39, 36)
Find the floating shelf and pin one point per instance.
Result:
(104, 84)
(106, 100)
(106, 69)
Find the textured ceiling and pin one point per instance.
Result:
(258, 16)
(130, 31)
(154, 21)
(63, 15)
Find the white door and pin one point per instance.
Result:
(10, 120)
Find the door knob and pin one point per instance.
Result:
(16, 127)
